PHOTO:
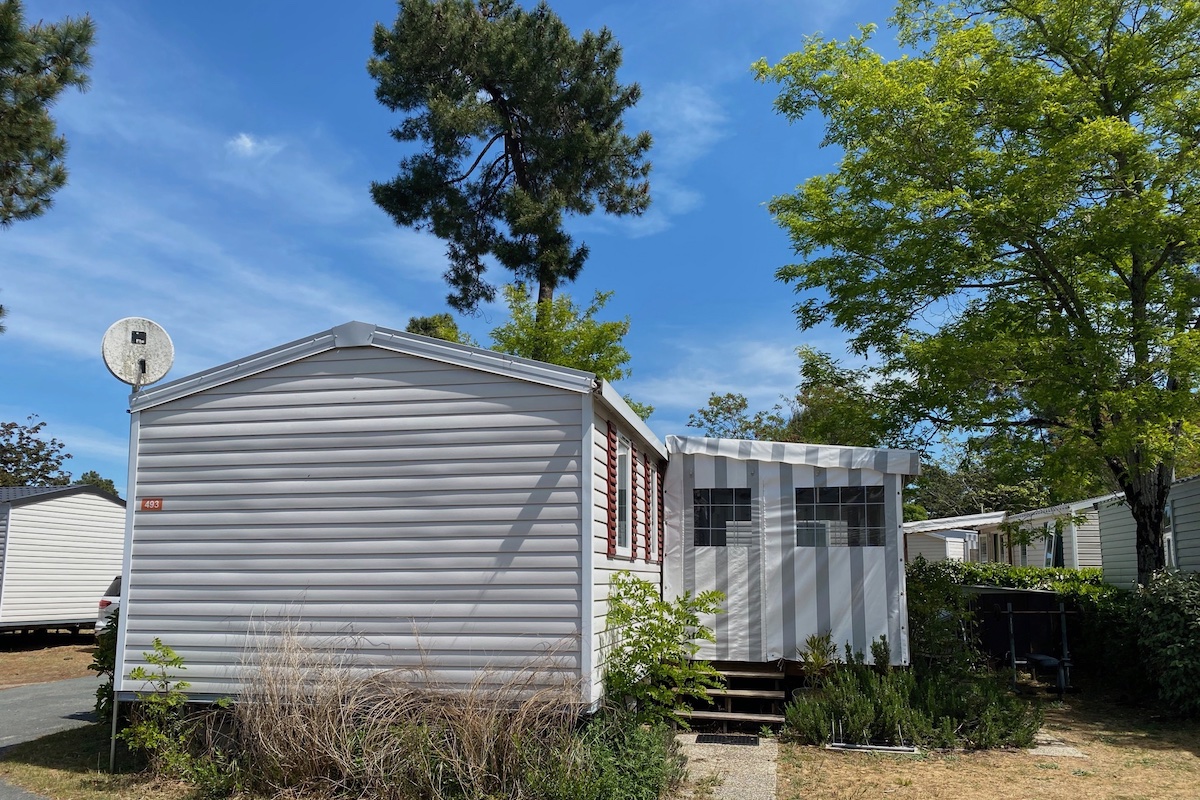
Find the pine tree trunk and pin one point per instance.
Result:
(544, 299)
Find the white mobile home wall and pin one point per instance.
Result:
(397, 501)
(1185, 520)
(1118, 537)
(58, 553)
(778, 593)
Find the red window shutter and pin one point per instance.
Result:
(646, 486)
(633, 503)
(612, 490)
(661, 471)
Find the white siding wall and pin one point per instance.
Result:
(930, 547)
(1087, 540)
(1185, 503)
(1118, 536)
(61, 555)
(604, 566)
(395, 510)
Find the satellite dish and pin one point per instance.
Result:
(137, 351)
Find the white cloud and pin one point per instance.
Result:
(247, 146)
(686, 122)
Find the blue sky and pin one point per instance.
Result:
(220, 165)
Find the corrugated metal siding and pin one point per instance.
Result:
(397, 511)
(604, 566)
(1118, 538)
(60, 556)
(930, 547)
(1185, 508)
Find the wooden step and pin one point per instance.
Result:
(765, 694)
(749, 673)
(736, 716)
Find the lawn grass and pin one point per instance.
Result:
(73, 765)
(43, 657)
(1130, 754)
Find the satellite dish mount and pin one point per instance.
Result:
(137, 351)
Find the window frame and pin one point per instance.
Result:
(739, 508)
(821, 508)
(625, 488)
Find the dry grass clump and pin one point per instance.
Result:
(307, 723)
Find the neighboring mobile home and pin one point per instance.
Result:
(970, 537)
(399, 501)
(60, 547)
(1066, 535)
(802, 539)
(1185, 524)
(1181, 535)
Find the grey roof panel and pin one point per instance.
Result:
(23, 495)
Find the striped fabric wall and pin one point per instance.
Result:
(60, 556)
(392, 511)
(779, 593)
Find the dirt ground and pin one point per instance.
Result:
(1128, 755)
(38, 658)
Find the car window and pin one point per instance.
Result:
(114, 588)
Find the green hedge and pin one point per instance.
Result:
(1073, 582)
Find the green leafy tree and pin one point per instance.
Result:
(37, 63)
(559, 332)
(439, 326)
(27, 459)
(521, 125)
(832, 405)
(1013, 225)
(93, 478)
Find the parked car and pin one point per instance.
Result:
(108, 604)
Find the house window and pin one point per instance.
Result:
(840, 516)
(722, 517)
(624, 492)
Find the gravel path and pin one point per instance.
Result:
(732, 771)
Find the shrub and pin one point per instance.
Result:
(1169, 628)
(104, 662)
(859, 704)
(648, 662)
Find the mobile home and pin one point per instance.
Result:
(802, 540)
(60, 547)
(399, 500)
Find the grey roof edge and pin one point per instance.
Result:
(1063, 508)
(364, 334)
(614, 401)
(895, 461)
(54, 492)
(962, 522)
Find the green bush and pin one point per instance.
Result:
(104, 662)
(648, 663)
(859, 704)
(1169, 639)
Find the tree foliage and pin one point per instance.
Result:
(93, 478)
(558, 331)
(439, 326)
(832, 405)
(521, 125)
(37, 63)
(27, 459)
(1013, 226)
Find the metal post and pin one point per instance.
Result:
(112, 737)
(1012, 643)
